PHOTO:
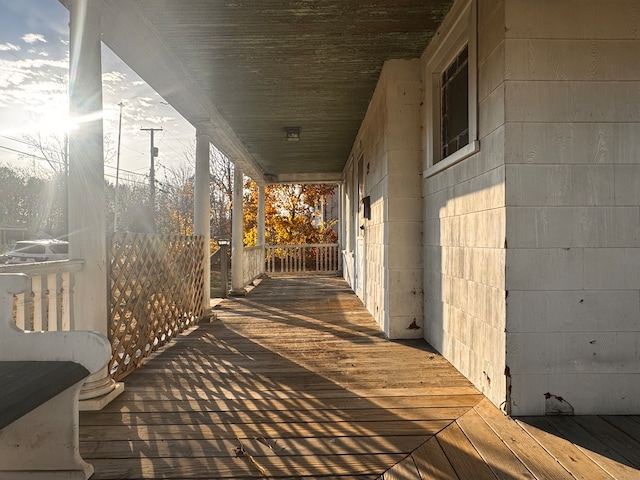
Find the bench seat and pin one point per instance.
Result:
(28, 384)
(41, 375)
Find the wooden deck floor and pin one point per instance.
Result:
(296, 381)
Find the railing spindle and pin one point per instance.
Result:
(66, 313)
(39, 288)
(22, 311)
(53, 302)
(48, 305)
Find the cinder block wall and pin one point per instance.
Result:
(573, 205)
(389, 144)
(465, 217)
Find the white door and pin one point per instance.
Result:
(360, 268)
(360, 265)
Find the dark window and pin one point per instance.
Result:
(59, 248)
(455, 104)
(29, 248)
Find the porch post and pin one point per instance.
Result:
(237, 236)
(202, 207)
(86, 195)
(340, 228)
(261, 219)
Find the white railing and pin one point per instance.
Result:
(302, 259)
(253, 264)
(48, 307)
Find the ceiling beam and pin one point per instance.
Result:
(135, 42)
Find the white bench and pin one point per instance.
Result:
(41, 374)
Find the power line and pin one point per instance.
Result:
(30, 155)
(127, 171)
(52, 150)
(144, 184)
(61, 163)
(164, 143)
(133, 149)
(15, 139)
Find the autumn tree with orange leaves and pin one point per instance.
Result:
(292, 214)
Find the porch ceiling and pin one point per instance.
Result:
(245, 69)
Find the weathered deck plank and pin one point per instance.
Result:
(464, 458)
(569, 456)
(502, 461)
(567, 431)
(526, 449)
(432, 462)
(296, 381)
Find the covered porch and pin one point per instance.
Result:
(304, 377)
(528, 287)
(295, 380)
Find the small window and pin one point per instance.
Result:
(451, 92)
(455, 104)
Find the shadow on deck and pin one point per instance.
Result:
(296, 381)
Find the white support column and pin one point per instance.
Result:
(86, 196)
(261, 216)
(340, 228)
(202, 207)
(261, 227)
(237, 236)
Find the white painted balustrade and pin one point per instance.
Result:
(48, 306)
(302, 259)
(253, 267)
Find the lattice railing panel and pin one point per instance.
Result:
(157, 288)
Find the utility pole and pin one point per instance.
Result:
(152, 171)
(115, 202)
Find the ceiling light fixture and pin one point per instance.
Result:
(293, 134)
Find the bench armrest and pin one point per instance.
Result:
(88, 348)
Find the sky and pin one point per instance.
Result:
(34, 53)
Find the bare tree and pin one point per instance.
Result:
(221, 194)
(175, 202)
(53, 149)
(221, 190)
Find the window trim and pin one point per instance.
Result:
(460, 29)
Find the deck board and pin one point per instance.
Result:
(568, 455)
(296, 381)
(464, 458)
(504, 464)
(432, 462)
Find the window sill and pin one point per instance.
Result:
(464, 152)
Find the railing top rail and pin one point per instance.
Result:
(302, 245)
(44, 268)
(164, 236)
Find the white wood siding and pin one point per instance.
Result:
(389, 142)
(464, 230)
(573, 207)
